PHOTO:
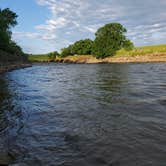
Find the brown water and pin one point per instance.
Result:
(86, 115)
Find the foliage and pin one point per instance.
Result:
(109, 39)
(66, 51)
(81, 47)
(7, 20)
(53, 55)
(128, 45)
(9, 48)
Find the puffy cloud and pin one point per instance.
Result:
(17, 35)
(72, 20)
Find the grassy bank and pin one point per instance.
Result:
(145, 50)
(155, 53)
(38, 58)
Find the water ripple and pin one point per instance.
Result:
(69, 115)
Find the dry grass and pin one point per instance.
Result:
(146, 50)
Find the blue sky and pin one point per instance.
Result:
(49, 25)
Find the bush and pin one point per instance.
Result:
(81, 47)
(53, 55)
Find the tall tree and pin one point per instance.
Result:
(7, 20)
(109, 39)
(9, 50)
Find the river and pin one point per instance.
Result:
(86, 115)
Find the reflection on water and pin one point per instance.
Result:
(88, 115)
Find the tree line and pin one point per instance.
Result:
(9, 50)
(108, 39)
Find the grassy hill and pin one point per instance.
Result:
(39, 58)
(144, 50)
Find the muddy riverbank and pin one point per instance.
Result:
(13, 66)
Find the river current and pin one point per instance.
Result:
(86, 115)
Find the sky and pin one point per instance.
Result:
(48, 25)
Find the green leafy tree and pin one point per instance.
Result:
(53, 55)
(109, 39)
(9, 50)
(7, 20)
(128, 45)
(4, 40)
(81, 47)
(66, 51)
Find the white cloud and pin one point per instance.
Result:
(17, 35)
(31, 35)
(72, 20)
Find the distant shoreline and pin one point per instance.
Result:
(89, 59)
(156, 53)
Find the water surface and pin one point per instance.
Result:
(86, 115)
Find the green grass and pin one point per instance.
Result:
(38, 58)
(143, 50)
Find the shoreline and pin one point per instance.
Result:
(88, 59)
(10, 67)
